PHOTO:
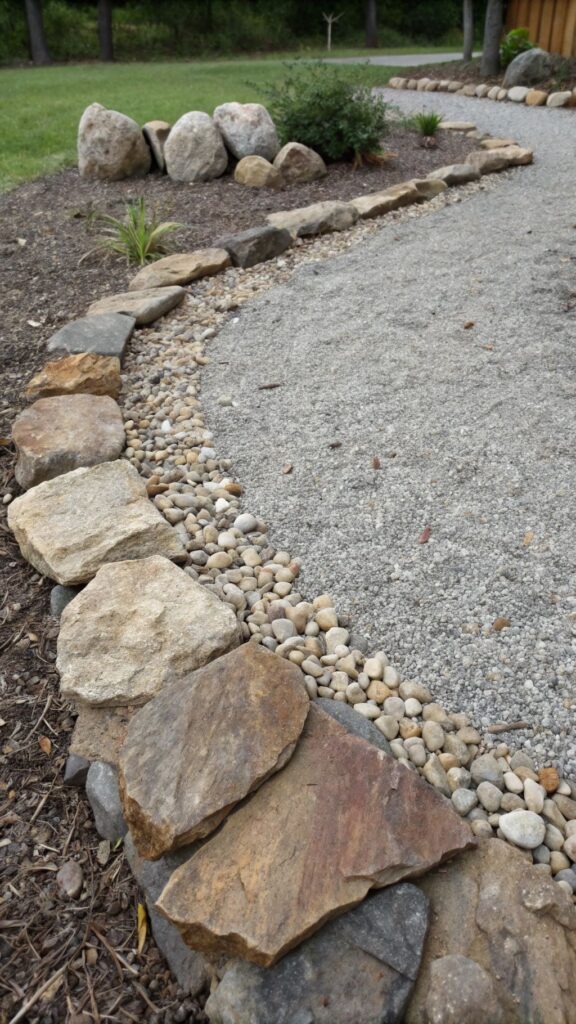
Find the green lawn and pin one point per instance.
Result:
(40, 107)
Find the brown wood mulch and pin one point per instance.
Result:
(76, 960)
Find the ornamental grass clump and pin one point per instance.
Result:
(427, 123)
(138, 237)
(330, 111)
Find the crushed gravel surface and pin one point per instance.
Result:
(440, 351)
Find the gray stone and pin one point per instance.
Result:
(524, 828)
(255, 245)
(464, 800)
(529, 68)
(455, 174)
(566, 875)
(104, 799)
(60, 597)
(103, 335)
(194, 150)
(521, 760)
(76, 771)
(190, 968)
(317, 219)
(247, 130)
(359, 969)
(461, 992)
(486, 769)
(145, 305)
(363, 727)
(111, 145)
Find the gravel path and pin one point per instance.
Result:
(474, 429)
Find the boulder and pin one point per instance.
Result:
(99, 733)
(144, 305)
(360, 968)
(156, 133)
(70, 526)
(298, 163)
(247, 130)
(81, 374)
(194, 150)
(104, 335)
(529, 68)
(492, 907)
(428, 188)
(560, 99)
(165, 624)
(317, 219)
(377, 203)
(180, 269)
(536, 98)
(111, 145)
(56, 435)
(455, 174)
(256, 245)
(191, 970)
(231, 724)
(257, 172)
(262, 884)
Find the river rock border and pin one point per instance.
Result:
(516, 94)
(190, 508)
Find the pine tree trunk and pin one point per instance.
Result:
(371, 24)
(492, 34)
(36, 36)
(468, 28)
(105, 30)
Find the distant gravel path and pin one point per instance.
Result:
(475, 430)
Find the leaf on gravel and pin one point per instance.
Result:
(425, 535)
(335, 444)
(500, 623)
(287, 468)
(142, 926)
(103, 852)
(468, 325)
(376, 464)
(528, 537)
(268, 387)
(34, 323)
(45, 744)
(489, 347)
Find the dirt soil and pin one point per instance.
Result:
(76, 960)
(564, 76)
(47, 226)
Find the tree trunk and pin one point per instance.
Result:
(371, 24)
(105, 30)
(37, 39)
(468, 28)
(492, 33)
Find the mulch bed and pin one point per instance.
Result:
(469, 72)
(84, 950)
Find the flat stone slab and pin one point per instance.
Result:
(255, 245)
(100, 732)
(340, 819)
(56, 435)
(180, 268)
(361, 968)
(144, 305)
(80, 374)
(457, 126)
(378, 203)
(231, 725)
(317, 219)
(455, 174)
(165, 624)
(67, 528)
(104, 335)
(493, 160)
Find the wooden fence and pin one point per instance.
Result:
(551, 23)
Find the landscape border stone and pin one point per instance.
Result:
(531, 97)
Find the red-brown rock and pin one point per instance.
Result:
(231, 724)
(342, 818)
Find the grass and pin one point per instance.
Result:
(40, 107)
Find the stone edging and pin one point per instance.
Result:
(230, 556)
(516, 94)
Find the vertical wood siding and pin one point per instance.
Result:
(551, 23)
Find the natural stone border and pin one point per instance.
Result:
(516, 94)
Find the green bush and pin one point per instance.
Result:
(517, 41)
(329, 110)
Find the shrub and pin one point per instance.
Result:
(517, 41)
(139, 239)
(329, 110)
(427, 123)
